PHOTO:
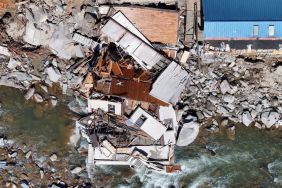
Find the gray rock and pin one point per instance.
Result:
(53, 157)
(38, 98)
(224, 87)
(269, 118)
(13, 154)
(188, 133)
(28, 154)
(53, 100)
(13, 63)
(228, 98)
(29, 93)
(53, 74)
(24, 184)
(258, 125)
(41, 174)
(247, 118)
(44, 88)
(3, 164)
(222, 110)
(76, 170)
(224, 122)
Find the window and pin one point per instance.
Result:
(255, 30)
(111, 108)
(140, 121)
(271, 30)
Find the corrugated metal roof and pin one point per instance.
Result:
(242, 10)
(141, 51)
(170, 83)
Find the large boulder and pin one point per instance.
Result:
(29, 93)
(38, 98)
(269, 118)
(188, 133)
(247, 119)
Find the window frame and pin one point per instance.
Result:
(111, 108)
(255, 28)
(141, 120)
(271, 34)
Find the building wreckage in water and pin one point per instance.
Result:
(130, 93)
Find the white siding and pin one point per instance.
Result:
(95, 104)
(151, 126)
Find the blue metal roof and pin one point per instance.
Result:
(242, 10)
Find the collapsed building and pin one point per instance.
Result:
(130, 93)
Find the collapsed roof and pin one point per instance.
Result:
(133, 43)
(170, 83)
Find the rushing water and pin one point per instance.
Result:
(253, 159)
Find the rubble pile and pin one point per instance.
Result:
(23, 167)
(39, 29)
(235, 89)
(141, 100)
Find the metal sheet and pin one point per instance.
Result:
(242, 10)
(241, 29)
(170, 83)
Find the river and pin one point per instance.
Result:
(252, 159)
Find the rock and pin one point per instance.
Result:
(269, 118)
(53, 74)
(13, 63)
(229, 98)
(231, 132)
(259, 108)
(24, 176)
(254, 114)
(53, 100)
(13, 154)
(258, 125)
(44, 88)
(41, 174)
(190, 118)
(76, 170)
(3, 164)
(2, 142)
(224, 122)
(24, 184)
(224, 87)
(11, 185)
(214, 100)
(207, 113)
(28, 154)
(200, 115)
(38, 98)
(247, 118)
(188, 134)
(222, 110)
(213, 128)
(29, 93)
(53, 157)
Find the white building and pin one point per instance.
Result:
(148, 123)
(106, 106)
